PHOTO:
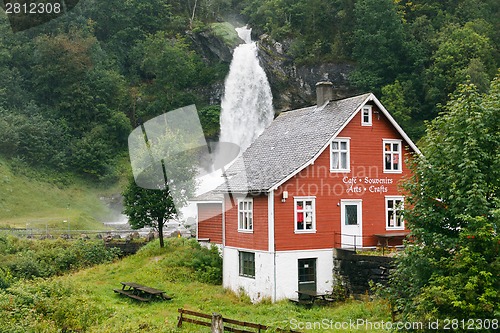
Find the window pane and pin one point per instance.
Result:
(343, 145)
(366, 116)
(344, 161)
(395, 147)
(388, 164)
(335, 145)
(247, 264)
(335, 160)
(351, 214)
(390, 219)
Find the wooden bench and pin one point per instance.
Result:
(131, 295)
(303, 302)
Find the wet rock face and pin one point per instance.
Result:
(212, 48)
(294, 86)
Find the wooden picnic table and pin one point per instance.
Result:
(140, 292)
(308, 297)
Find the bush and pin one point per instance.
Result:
(206, 264)
(28, 259)
(48, 306)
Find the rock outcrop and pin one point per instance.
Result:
(294, 86)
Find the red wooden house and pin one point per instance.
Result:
(318, 178)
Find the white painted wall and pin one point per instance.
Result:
(287, 275)
(286, 272)
(257, 288)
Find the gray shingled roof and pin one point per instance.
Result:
(210, 196)
(291, 140)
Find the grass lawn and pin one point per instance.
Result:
(31, 200)
(84, 301)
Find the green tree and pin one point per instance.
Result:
(166, 192)
(148, 208)
(451, 266)
(378, 39)
(400, 100)
(462, 52)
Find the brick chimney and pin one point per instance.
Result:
(324, 92)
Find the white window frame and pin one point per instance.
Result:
(340, 151)
(248, 213)
(241, 267)
(394, 210)
(367, 108)
(392, 155)
(304, 212)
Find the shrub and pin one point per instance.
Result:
(27, 259)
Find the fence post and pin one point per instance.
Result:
(179, 322)
(217, 323)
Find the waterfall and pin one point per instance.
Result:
(247, 107)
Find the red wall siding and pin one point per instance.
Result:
(257, 240)
(210, 221)
(366, 160)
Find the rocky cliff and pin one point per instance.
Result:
(293, 86)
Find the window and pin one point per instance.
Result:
(247, 264)
(351, 214)
(394, 212)
(305, 219)
(339, 155)
(392, 156)
(366, 115)
(245, 215)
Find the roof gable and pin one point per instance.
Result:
(293, 141)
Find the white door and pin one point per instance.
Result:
(351, 223)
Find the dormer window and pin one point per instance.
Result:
(366, 115)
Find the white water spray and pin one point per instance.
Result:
(247, 107)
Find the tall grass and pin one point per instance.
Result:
(83, 301)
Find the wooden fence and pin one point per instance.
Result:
(217, 323)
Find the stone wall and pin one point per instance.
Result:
(355, 271)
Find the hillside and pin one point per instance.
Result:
(85, 302)
(37, 200)
(73, 88)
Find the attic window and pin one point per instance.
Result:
(339, 155)
(366, 115)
